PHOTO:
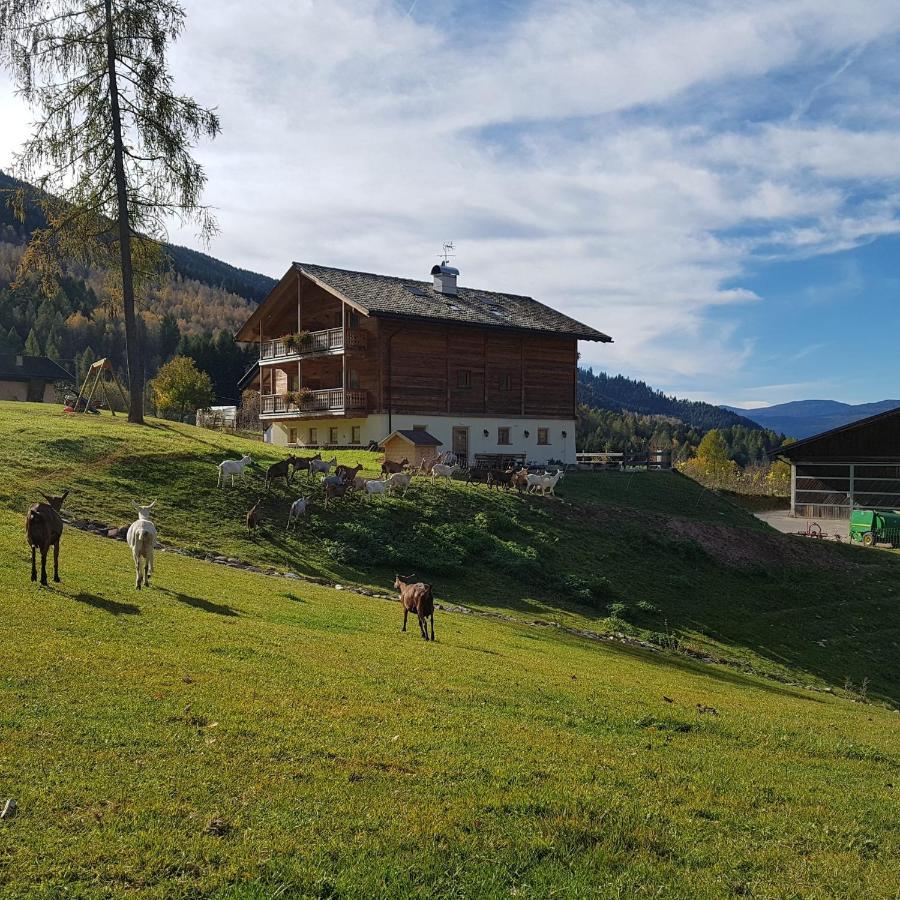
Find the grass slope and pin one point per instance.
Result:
(649, 554)
(346, 759)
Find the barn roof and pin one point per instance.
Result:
(798, 448)
(415, 436)
(24, 368)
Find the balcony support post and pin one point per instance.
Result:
(344, 345)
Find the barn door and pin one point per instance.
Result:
(461, 444)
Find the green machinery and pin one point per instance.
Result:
(870, 527)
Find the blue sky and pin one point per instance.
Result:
(715, 184)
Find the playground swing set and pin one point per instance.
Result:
(100, 375)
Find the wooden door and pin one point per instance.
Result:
(461, 444)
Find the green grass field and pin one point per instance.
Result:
(342, 758)
(649, 554)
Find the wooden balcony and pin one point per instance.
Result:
(329, 341)
(333, 401)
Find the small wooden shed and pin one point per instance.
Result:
(413, 444)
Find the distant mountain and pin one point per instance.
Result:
(187, 263)
(804, 418)
(619, 394)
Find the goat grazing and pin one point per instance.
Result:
(389, 467)
(417, 598)
(281, 469)
(298, 509)
(398, 483)
(334, 490)
(321, 465)
(303, 462)
(442, 470)
(43, 530)
(254, 516)
(232, 467)
(141, 537)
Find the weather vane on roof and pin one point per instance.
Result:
(448, 253)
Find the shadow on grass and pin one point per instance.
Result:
(111, 606)
(289, 596)
(219, 609)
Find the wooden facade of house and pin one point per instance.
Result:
(357, 356)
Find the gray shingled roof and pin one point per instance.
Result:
(32, 367)
(390, 297)
(414, 436)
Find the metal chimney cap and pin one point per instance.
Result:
(444, 270)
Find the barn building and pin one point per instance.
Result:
(854, 466)
(350, 358)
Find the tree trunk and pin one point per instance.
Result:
(133, 349)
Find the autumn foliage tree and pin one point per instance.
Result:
(110, 152)
(180, 386)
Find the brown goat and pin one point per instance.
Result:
(348, 473)
(416, 597)
(333, 491)
(389, 467)
(302, 462)
(43, 530)
(254, 516)
(282, 469)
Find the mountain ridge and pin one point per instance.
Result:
(805, 418)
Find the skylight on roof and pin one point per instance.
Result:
(416, 291)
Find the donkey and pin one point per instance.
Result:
(417, 598)
(141, 537)
(43, 530)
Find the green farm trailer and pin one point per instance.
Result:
(870, 527)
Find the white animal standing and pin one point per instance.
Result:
(375, 486)
(298, 509)
(141, 538)
(398, 483)
(233, 467)
(441, 470)
(321, 465)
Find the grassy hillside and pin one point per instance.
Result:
(651, 555)
(230, 735)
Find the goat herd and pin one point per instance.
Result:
(44, 522)
(396, 478)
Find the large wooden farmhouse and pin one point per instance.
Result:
(349, 358)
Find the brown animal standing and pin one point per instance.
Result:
(302, 462)
(417, 598)
(348, 473)
(333, 491)
(254, 517)
(43, 529)
(389, 467)
(281, 469)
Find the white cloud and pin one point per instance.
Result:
(594, 154)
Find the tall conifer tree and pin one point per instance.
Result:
(111, 148)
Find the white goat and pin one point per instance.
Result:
(441, 470)
(321, 465)
(546, 482)
(375, 486)
(141, 537)
(298, 509)
(398, 482)
(232, 467)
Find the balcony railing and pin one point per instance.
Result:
(331, 340)
(333, 400)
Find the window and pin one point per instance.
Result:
(503, 436)
(543, 435)
(293, 381)
(354, 434)
(333, 435)
(313, 436)
(464, 378)
(292, 435)
(354, 379)
(353, 319)
(505, 381)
